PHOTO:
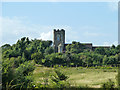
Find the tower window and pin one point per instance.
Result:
(58, 37)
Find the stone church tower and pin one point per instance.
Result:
(58, 40)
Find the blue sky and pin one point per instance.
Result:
(87, 22)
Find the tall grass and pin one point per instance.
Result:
(79, 77)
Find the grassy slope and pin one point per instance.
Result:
(79, 76)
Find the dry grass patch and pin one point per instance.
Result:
(77, 76)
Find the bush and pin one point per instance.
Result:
(56, 66)
(23, 74)
(37, 57)
(25, 68)
(110, 84)
(80, 67)
(8, 72)
(59, 79)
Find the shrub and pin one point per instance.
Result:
(110, 84)
(108, 67)
(23, 74)
(65, 66)
(59, 79)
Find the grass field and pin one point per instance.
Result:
(79, 76)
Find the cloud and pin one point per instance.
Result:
(89, 28)
(92, 31)
(113, 6)
(46, 36)
(15, 27)
(110, 43)
(93, 34)
(18, 27)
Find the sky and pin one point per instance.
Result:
(85, 22)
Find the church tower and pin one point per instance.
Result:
(58, 40)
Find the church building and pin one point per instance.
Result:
(59, 41)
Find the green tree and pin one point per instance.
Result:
(100, 50)
(59, 78)
(49, 50)
(105, 60)
(8, 72)
(37, 57)
(75, 47)
(112, 60)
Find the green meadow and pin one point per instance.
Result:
(78, 76)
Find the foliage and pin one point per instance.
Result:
(53, 59)
(76, 54)
(79, 77)
(18, 60)
(60, 76)
(49, 50)
(8, 72)
(59, 79)
(75, 47)
(23, 74)
(109, 85)
(37, 57)
(118, 78)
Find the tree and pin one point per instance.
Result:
(5, 47)
(49, 50)
(37, 57)
(8, 72)
(113, 46)
(89, 61)
(59, 78)
(112, 60)
(100, 50)
(105, 60)
(118, 48)
(75, 47)
(54, 59)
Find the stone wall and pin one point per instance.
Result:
(58, 39)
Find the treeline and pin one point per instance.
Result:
(76, 54)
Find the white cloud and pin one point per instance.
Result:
(110, 43)
(113, 6)
(17, 27)
(93, 34)
(89, 28)
(91, 31)
(46, 36)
